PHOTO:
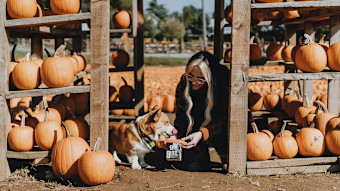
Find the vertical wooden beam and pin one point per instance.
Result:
(57, 42)
(238, 107)
(290, 36)
(138, 30)
(4, 113)
(37, 46)
(334, 85)
(99, 96)
(77, 43)
(308, 85)
(219, 30)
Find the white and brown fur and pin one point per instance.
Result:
(124, 138)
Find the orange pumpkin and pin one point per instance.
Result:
(334, 56)
(302, 112)
(321, 119)
(272, 101)
(259, 145)
(26, 75)
(228, 14)
(81, 103)
(19, 9)
(269, 133)
(332, 124)
(255, 101)
(155, 100)
(274, 51)
(61, 7)
(117, 111)
(125, 92)
(96, 167)
(255, 51)
(227, 56)
(121, 20)
(311, 142)
(285, 146)
(287, 52)
(291, 14)
(68, 104)
(275, 15)
(78, 128)
(332, 141)
(120, 58)
(21, 138)
(82, 61)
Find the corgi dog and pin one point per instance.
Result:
(136, 139)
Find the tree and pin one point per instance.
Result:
(150, 26)
(157, 9)
(172, 28)
(121, 4)
(192, 19)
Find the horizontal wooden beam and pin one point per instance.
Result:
(318, 16)
(125, 69)
(28, 154)
(303, 5)
(290, 162)
(120, 30)
(48, 20)
(122, 117)
(47, 91)
(119, 105)
(293, 76)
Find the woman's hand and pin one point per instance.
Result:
(193, 138)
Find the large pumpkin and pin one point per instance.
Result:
(57, 71)
(21, 138)
(121, 20)
(259, 145)
(26, 75)
(311, 142)
(19, 9)
(333, 56)
(125, 92)
(61, 7)
(285, 146)
(96, 167)
(65, 156)
(120, 58)
(311, 57)
(78, 128)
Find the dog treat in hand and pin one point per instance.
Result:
(173, 149)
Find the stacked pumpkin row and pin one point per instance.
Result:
(55, 72)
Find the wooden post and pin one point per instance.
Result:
(308, 85)
(37, 46)
(99, 95)
(138, 30)
(219, 30)
(58, 41)
(77, 43)
(238, 105)
(334, 85)
(4, 113)
(290, 35)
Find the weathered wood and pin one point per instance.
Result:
(120, 30)
(334, 85)
(293, 76)
(4, 113)
(99, 97)
(238, 106)
(122, 117)
(48, 20)
(320, 15)
(137, 30)
(77, 43)
(26, 33)
(125, 69)
(28, 154)
(37, 46)
(291, 162)
(57, 42)
(285, 6)
(290, 36)
(219, 30)
(47, 91)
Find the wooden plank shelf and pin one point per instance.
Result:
(303, 5)
(28, 154)
(293, 76)
(48, 20)
(47, 91)
(44, 33)
(125, 69)
(120, 30)
(118, 105)
(115, 117)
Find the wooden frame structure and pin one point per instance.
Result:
(328, 14)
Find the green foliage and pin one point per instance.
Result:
(157, 9)
(150, 27)
(172, 28)
(121, 5)
(192, 19)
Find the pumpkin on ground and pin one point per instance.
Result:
(19, 9)
(125, 92)
(21, 138)
(334, 56)
(285, 146)
(121, 20)
(259, 145)
(311, 141)
(61, 7)
(65, 156)
(333, 140)
(96, 167)
(26, 74)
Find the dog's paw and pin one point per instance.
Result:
(144, 165)
(136, 166)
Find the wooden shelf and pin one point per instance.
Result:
(47, 20)
(44, 32)
(293, 76)
(28, 154)
(125, 69)
(303, 5)
(47, 91)
(120, 30)
(121, 117)
(118, 105)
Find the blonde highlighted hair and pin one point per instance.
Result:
(203, 64)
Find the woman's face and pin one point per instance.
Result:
(196, 78)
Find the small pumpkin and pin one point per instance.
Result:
(255, 101)
(125, 92)
(333, 56)
(272, 101)
(26, 75)
(117, 111)
(81, 103)
(96, 167)
(285, 146)
(259, 145)
(82, 61)
(61, 7)
(228, 14)
(322, 43)
(120, 58)
(121, 19)
(21, 138)
(321, 119)
(274, 51)
(275, 15)
(332, 141)
(19, 9)
(311, 141)
(302, 112)
(155, 100)
(69, 105)
(255, 50)
(291, 14)
(293, 105)
(287, 52)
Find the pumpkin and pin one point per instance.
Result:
(275, 126)
(269, 133)
(285, 132)
(274, 51)
(74, 63)
(155, 100)
(68, 104)
(332, 124)
(259, 145)
(302, 112)
(285, 146)
(332, 141)
(129, 112)
(39, 12)
(117, 111)
(113, 94)
(321, 119)
(61, 7)
(19, 9)
(96, 167)
(291, 14)
(257, 16)
(311, 142)
(82, 61)
(47, 133)
(228, 14)
(333, 56)
(287, 99)
(310, 117)
(293, 104)
(21, 138)
(287, 52)
(31, 121)
(168, 104)
(275, 15)
(54, 114)
(121, 20)
(272, 101)
(81, 103)
(255, 101)
(78, 128)
(57, 71)
(120, 58)
(125, 92)
(65, 155)
(255, 51)
(311, 57)
(26, 74)
(60, 108)
(227, 56)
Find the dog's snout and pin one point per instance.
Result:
(174, 131)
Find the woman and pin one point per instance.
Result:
(202, 111)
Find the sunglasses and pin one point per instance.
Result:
(198, 80)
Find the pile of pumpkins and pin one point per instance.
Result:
(55, 72)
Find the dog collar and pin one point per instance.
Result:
(146, 140)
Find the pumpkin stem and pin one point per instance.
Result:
(37, 108)
(27, 113)
(45, 102)
(27, 57)
(68, 52)
(12, 55)
(274, 40)
(312, 125)
(254, 126)
(68, 132)
(22, 120)
(124, 81)
(46, 114)
(322, 38)
(322, 105)
(60, 51)
(47, 52)
(317, 108)
(283, 128)
(97, 144)
(251, 41)
(309, 39)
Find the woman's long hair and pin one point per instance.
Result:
(203, 64)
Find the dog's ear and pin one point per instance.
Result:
(156, 114)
